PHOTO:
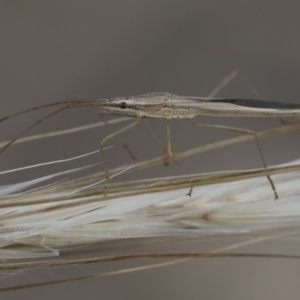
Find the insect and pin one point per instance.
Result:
(167, 106)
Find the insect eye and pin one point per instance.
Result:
(123, 105)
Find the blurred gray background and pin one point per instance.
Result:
(55, 50)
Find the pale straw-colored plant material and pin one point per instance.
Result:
(38, 224)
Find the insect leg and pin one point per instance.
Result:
(127, 149)
(169, 140)
(111, 136)
(103, 116)
(248, 132)
(170, 154)
(169, 149)
(225, 81)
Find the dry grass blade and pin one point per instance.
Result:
(183, 257)
(45, 223)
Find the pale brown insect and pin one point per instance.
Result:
(167, 106)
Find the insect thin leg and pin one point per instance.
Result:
(226, 80)
(31, 126)
(265, 165)
(248, 132)
(111, 136)
(170, 153)
(127, 149)
(103, 115)
(169, 140)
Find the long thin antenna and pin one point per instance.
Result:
(31, 109)
(71, 103)
(31, 126)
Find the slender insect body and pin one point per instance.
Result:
(168, 106)
(164, 105)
